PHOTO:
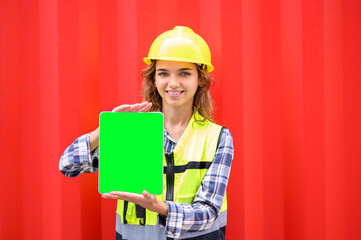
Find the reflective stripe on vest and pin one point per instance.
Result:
(184, 170)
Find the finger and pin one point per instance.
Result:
(131, 197)
(128, 107)
(107, 196)
(146, 107)
(110, 196)
(138, 107)
(143, 104)
(122, 108)
(135, 107)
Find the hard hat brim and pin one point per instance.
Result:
(148, 61)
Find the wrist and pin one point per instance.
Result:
(162, 208)
(94, 139)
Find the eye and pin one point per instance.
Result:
(162, 74)
(185, 74)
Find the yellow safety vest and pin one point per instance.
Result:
(184, 170)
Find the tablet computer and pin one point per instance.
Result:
(131, 152)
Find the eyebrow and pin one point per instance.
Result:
(179, 70)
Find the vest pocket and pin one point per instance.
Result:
(131, 214)
(185, 198)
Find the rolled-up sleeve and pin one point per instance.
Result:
(77, 159)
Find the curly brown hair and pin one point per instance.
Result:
(202, 99)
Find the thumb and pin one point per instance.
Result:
(146, 194)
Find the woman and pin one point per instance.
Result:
(198, 153)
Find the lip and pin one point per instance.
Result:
(174, 93)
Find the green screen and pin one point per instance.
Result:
(131, 152)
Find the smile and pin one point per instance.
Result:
(174, 94)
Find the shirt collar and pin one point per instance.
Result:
(167, 135)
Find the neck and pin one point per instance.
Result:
(174, 116)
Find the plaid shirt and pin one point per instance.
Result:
(207, 203)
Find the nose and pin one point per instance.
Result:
(173, 81)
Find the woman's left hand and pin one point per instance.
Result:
(145, 200)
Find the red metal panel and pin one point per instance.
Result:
(30, 97)
(210, 29)
(231, 71)
(351, 72)
(252, 116)
(272, 157)
(11, 118)
(49, 121)
(314, 118)
(334, 124)
(293, 115)
(287, 86)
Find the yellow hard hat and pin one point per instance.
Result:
(180, 44)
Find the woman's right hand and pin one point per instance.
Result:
(138, 107)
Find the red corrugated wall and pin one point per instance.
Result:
(287, 85)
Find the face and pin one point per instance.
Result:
(176, 82)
